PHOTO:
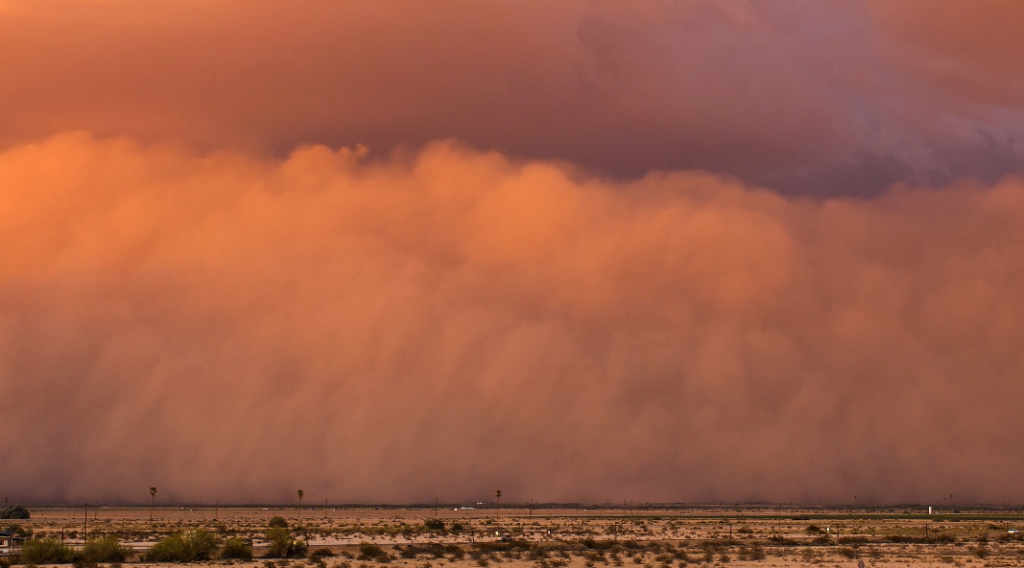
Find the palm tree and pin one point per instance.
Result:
(152, 500)
(298, 510)
(498, 504)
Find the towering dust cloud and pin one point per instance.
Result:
(581, 250)
(440, 323)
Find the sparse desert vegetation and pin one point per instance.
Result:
(365, 537)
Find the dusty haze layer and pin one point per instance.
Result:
(450, 322)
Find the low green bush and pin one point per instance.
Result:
(46, 551)
(282, 545)
(106, 549)
(187, 546)
(236, 549)
(278, 523)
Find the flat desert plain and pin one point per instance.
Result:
(546, 537)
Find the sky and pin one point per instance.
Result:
(579, 251)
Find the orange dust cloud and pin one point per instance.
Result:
(440, 323)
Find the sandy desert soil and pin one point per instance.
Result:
(575, 538)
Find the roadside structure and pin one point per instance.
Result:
(9, 543)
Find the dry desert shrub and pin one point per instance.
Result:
(370, 551)
(854, 540)
(321, 553)
(752, 553)
(664, 558)
(822, 540)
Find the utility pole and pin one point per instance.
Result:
(216, 509)
(632, 517)
(325, 508)
(86, 539)
(435, 507)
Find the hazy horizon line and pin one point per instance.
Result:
(489, 505)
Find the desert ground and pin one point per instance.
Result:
(546, 537)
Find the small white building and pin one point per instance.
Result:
(8, 542)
